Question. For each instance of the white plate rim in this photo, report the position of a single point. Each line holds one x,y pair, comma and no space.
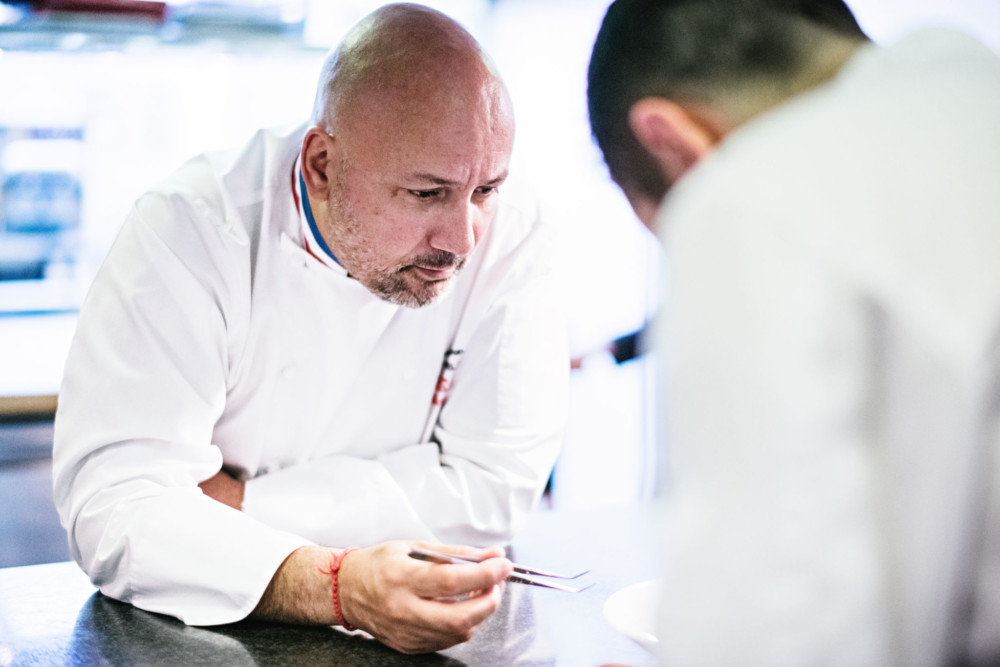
619,611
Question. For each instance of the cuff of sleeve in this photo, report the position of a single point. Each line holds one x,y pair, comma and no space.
218,567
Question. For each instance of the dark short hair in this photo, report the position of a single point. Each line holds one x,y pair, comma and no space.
685,50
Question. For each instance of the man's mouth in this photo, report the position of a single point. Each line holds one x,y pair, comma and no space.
434,274
437,267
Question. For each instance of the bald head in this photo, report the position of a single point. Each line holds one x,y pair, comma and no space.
412,139
402,55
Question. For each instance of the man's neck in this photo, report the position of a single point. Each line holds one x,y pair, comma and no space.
822,63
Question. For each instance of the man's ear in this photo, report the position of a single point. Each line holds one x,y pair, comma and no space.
317,153
675,138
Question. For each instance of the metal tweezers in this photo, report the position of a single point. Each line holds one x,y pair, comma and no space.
522,574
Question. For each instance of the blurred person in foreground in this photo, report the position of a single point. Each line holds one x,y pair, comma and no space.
256,379
830,339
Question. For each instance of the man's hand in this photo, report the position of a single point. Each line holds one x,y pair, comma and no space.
411,605
415,606
225,488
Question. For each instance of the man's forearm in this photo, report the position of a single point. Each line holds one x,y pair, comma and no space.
300,591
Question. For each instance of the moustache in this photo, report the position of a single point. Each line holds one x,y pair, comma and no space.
441,259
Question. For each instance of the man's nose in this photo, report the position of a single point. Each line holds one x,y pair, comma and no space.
457,230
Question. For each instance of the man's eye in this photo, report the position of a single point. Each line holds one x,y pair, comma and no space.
425,194
487,190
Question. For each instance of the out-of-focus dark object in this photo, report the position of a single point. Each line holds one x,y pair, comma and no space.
135,8
629,346
623,349
112,25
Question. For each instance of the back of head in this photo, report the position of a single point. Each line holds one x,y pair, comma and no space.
737,56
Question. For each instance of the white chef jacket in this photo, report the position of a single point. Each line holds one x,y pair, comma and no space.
211,336
831,359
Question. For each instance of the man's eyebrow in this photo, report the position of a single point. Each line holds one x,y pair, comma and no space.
446,182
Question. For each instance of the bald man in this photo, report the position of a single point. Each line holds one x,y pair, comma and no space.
340,336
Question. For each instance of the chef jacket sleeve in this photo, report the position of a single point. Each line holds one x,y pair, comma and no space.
144,383
498,434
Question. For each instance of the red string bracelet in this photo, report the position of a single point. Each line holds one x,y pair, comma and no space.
335,562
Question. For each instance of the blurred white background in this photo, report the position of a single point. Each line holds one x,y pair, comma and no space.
137,105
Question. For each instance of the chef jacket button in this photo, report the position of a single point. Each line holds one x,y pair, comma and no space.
288,371
408,375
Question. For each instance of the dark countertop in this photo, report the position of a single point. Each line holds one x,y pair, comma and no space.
52,615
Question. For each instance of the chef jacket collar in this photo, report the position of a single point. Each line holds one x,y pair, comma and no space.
314,242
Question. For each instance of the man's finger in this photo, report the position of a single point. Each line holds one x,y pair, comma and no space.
462,550
445,580
459,618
